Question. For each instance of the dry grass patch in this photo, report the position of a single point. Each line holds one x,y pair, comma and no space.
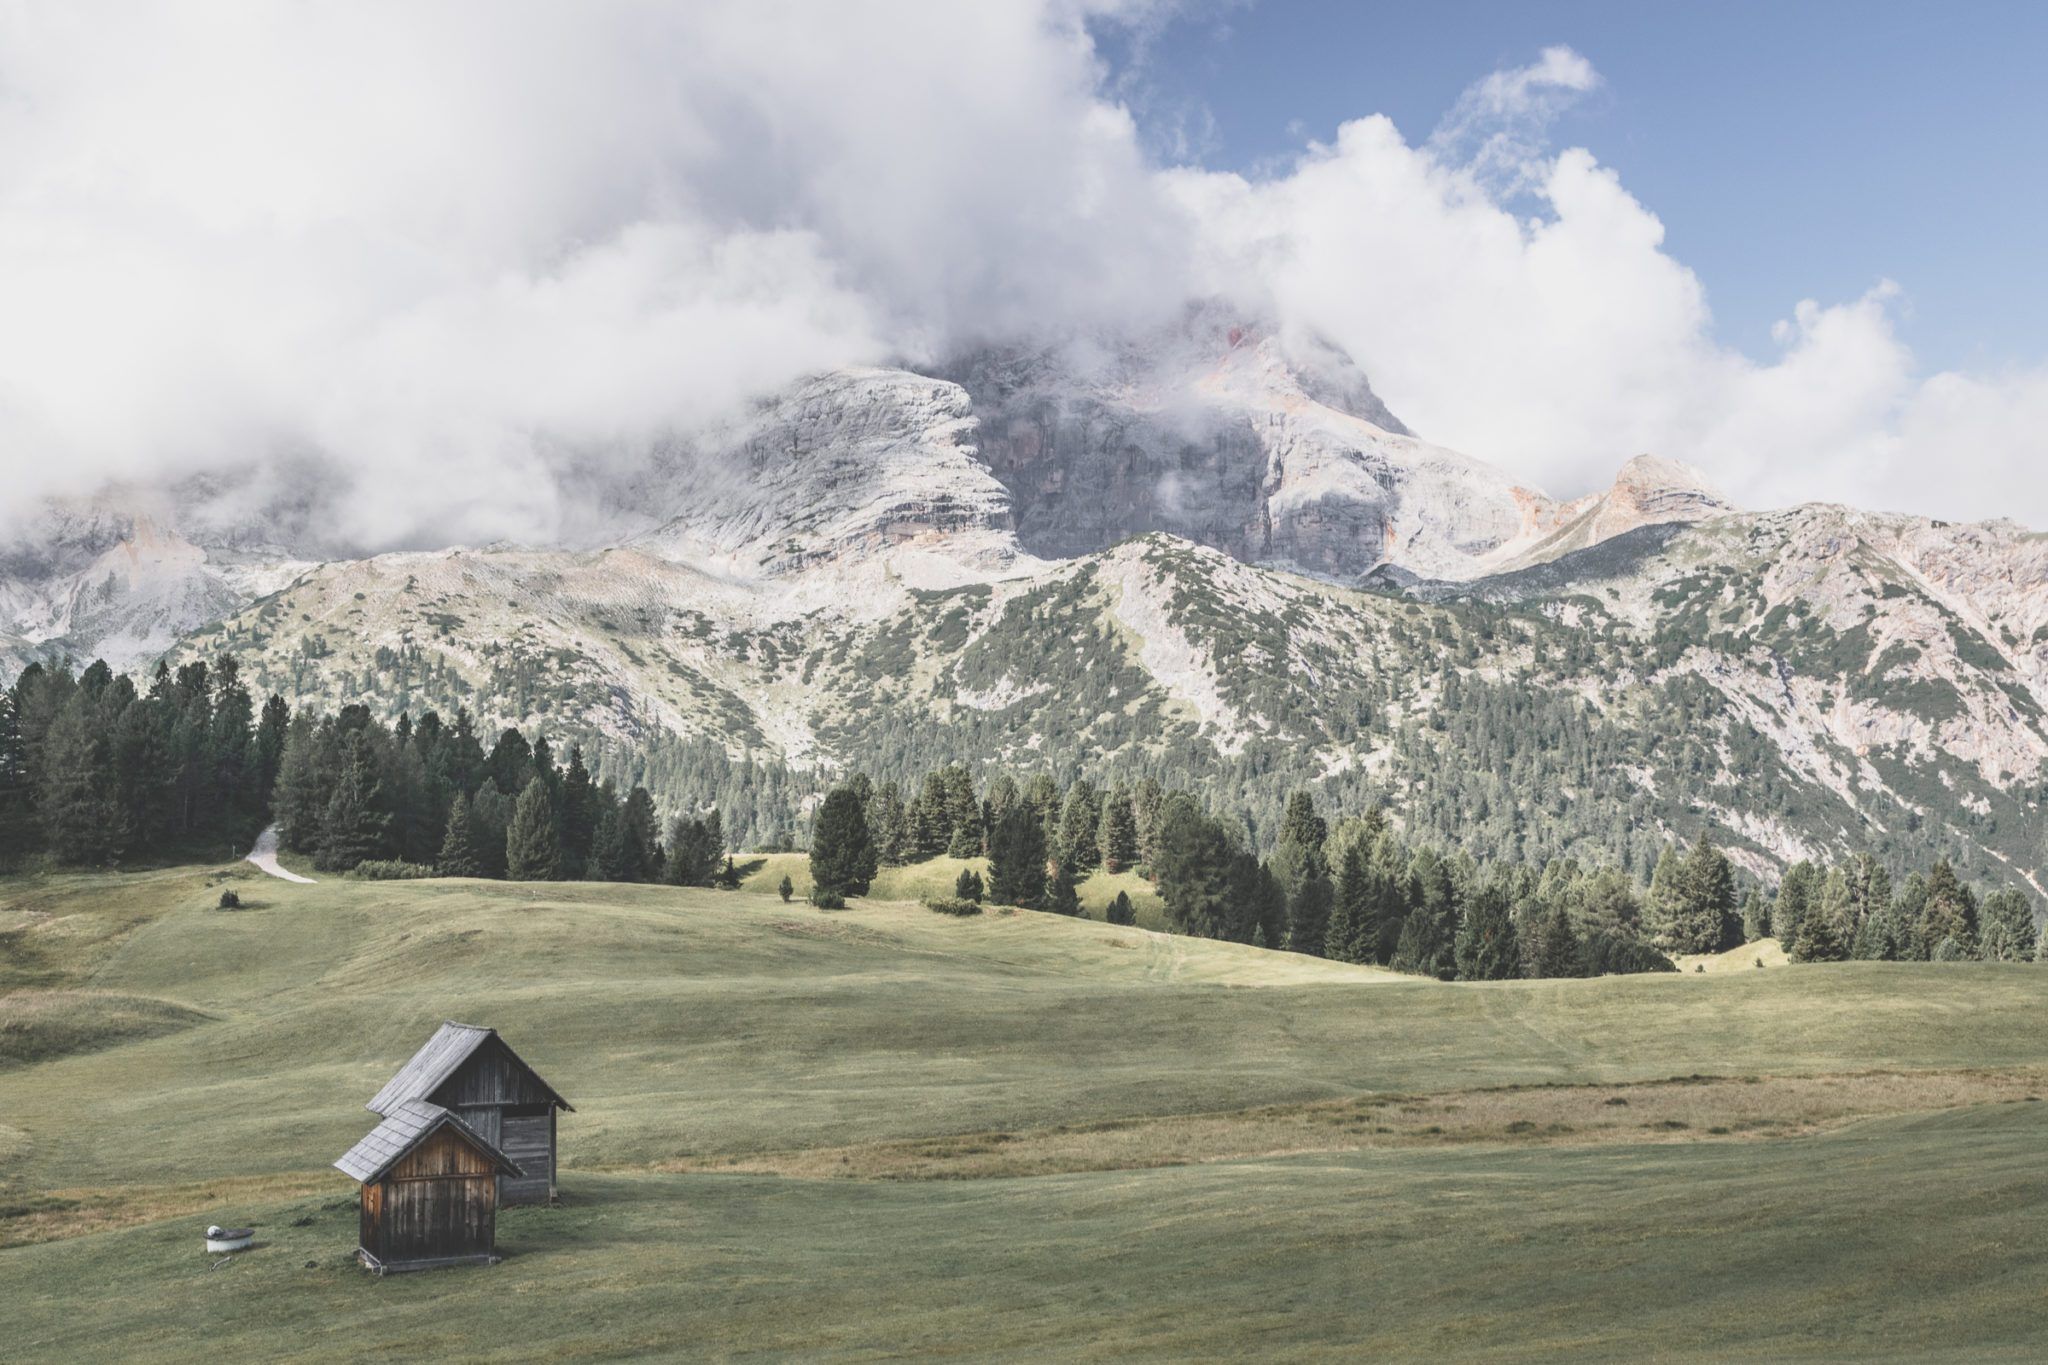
1683,1109
52,1215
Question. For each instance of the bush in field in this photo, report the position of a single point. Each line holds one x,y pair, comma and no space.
952,905
390,870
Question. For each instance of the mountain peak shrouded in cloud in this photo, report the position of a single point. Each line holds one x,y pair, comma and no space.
418,270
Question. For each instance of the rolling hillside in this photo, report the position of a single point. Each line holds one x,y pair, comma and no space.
1148,1138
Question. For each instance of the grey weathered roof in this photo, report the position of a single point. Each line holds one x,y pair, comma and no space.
404,1128
446,1051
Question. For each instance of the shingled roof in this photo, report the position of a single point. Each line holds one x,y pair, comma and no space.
444,1053
404,1128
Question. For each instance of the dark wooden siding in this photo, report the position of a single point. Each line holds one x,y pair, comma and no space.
529,1139
491,1076
440,1200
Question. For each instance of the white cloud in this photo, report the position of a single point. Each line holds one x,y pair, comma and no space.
443,251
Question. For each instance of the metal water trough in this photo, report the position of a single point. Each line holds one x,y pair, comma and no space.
219,1239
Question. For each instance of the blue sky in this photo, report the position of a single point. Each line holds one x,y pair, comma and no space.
1792,150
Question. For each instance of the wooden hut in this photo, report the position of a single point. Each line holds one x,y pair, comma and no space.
430,1191
475,1073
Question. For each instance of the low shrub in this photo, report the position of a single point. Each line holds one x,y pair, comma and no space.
229,900
828,900
390,870
952,905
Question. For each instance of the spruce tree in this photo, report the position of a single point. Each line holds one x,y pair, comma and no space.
1301,825
2006,932
931,819
785,888
459,856
1560,953
888,825
1486,948
1118,837
1795,896
843,861
1120,910
609,860
1060,898
967,886
1079,819
641,835
963,813
1197,857
1308,915
1016,862
353,827
80,814
579,815
1351,934
533,851
1827,932
1950,915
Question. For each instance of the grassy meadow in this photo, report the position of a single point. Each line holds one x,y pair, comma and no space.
885,1131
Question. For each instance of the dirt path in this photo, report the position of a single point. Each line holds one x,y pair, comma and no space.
264,855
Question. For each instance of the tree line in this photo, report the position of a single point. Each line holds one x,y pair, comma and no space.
95,773
1359,891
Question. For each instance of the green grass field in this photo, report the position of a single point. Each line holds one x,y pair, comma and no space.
1342,1176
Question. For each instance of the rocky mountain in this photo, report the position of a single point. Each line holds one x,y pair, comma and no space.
1214,557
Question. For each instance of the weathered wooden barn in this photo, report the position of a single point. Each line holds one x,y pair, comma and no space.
430,1191
475,1073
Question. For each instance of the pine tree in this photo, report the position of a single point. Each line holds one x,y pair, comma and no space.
1079,819
1756,917
963,813
459,855
1147,800
1795,896
533,852
786,888
270,735
1827,931
888,825
1698,901
1120,910
2007,927
1950,916
1060,898
353,827
843,861
1195,866
1560,953
1118,837
1301,825
609,860
17,836
1016,863
967,886
642,838
81,817
579,815
1308,915
931,819
1487,949
1351,934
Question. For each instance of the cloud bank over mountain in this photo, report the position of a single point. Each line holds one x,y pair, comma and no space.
439,255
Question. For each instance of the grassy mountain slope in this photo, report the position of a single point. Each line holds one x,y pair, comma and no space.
695,1027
